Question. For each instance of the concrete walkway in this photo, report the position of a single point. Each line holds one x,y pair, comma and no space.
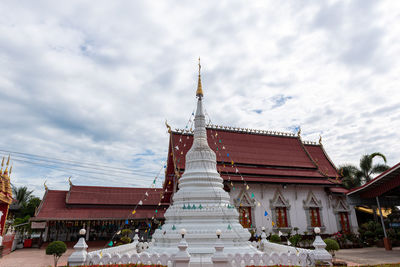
34,257
371,256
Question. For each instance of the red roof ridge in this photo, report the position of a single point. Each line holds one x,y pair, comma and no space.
326,154
113,187
312,143
377,178
237,130
309,156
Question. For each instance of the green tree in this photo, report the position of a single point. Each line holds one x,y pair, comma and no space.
30,207
56,248
21,194
331,245
355,176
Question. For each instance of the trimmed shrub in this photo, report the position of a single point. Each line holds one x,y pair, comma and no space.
125,240
275,239
295,239
331,245
126,232
56,248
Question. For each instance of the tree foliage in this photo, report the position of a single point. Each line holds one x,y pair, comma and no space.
354,176
275,238
21,194
56,248
331,245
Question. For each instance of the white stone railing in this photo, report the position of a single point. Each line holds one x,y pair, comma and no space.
272,254
143,258
127,248
270,259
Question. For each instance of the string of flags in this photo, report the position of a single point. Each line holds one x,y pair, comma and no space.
259,204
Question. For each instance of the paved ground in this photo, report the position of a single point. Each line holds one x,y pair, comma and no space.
33,257
371,256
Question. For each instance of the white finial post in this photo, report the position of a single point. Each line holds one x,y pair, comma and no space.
219,259
136,237
182,257
79,256
320,253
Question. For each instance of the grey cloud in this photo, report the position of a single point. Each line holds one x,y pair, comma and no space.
96,82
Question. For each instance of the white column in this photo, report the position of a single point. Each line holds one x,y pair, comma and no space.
182,257
79,256
219,259
320,253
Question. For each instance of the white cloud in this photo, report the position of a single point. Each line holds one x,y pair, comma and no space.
95,82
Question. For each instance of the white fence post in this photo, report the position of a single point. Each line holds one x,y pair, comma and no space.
320,253
79,256
219,259
182,257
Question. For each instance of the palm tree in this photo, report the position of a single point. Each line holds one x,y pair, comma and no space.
354,176
21,194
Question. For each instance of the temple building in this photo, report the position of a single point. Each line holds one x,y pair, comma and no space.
274,180
101,210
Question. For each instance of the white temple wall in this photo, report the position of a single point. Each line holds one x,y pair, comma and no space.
295,195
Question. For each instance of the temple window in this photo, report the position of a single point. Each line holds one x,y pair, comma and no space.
245,207
344,222
313,208
342,211
245,216
281,217
280,212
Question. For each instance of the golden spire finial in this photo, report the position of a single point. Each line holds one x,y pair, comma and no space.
199,91
2,165
7,164
320,140
299,132
45,186
168,127
69,181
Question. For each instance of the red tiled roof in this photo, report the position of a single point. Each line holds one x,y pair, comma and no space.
260,170
247,148
54,207
338,190
100,195
384,182
319,156
282,180
258,154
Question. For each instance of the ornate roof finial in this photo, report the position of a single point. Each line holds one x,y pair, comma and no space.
168,127
45,186
2,165
299,132
69,181
7,164
320,140
199,92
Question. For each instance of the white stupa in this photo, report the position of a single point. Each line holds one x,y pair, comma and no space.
201,205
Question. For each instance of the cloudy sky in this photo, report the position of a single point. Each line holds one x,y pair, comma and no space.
91,83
